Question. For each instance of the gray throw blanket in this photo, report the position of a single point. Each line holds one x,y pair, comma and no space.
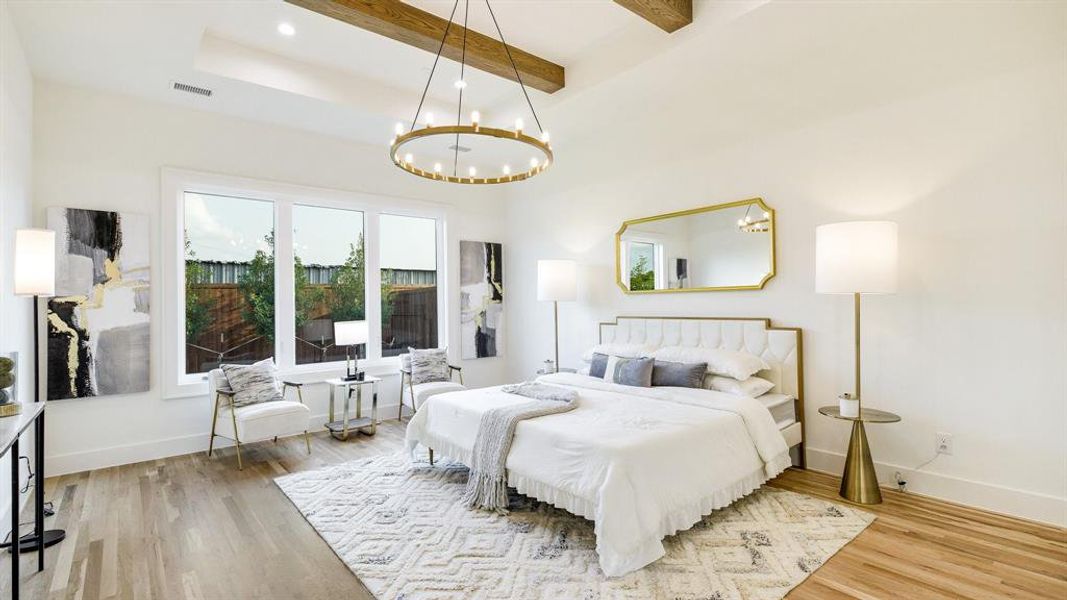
487,486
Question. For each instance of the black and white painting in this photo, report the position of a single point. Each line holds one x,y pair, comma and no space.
98,321
481,274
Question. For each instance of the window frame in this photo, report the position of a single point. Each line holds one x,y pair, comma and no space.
176,182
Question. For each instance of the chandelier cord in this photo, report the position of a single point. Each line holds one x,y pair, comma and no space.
462,72
434,68
513,66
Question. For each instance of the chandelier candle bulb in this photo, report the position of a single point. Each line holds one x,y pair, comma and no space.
437,168
399,129
544,136
408,158
475,118
518,125
472,171
429,119
460,84
533,163
506,170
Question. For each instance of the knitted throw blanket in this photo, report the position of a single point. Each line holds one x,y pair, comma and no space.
487,486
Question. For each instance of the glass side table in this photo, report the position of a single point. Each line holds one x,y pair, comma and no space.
859,482
340,428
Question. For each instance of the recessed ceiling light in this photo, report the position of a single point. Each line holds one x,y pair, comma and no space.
286,29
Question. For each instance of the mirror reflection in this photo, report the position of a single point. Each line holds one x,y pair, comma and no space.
721,247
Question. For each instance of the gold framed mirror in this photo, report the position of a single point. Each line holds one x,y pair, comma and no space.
721,247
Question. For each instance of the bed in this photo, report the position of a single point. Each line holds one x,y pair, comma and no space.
642,463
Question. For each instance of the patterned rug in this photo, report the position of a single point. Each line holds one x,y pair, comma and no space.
407,535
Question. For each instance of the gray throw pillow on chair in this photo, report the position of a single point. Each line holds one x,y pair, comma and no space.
252,383
429,365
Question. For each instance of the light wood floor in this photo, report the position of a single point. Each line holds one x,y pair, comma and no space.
194,527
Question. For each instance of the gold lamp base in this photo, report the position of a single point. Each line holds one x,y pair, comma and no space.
859,483
10,409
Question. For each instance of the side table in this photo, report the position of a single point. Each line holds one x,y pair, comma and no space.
340,428
859,482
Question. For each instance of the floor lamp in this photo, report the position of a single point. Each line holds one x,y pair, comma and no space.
35,276
857,258
557,281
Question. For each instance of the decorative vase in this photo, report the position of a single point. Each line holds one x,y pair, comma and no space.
850,407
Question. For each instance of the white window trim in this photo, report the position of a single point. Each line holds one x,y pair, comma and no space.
174,184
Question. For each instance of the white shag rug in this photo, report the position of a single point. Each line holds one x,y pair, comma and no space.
404,531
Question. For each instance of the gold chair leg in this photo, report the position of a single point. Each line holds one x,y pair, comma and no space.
214,420
236,440
411,388
400,409
307,441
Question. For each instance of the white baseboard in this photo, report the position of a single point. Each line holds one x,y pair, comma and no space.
995,498
102,458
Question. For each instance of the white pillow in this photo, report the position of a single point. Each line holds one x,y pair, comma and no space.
620,350
730,363
753,387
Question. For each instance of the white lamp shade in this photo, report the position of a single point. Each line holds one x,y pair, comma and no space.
350,333
35,262
557,280
856,257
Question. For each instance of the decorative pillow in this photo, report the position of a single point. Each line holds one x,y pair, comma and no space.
598,365
678,374
623,350
253,383
730,363
429,365
629,371
753,387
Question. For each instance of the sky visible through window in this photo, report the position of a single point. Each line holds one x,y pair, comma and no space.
225,229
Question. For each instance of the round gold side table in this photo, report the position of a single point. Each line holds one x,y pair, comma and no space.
859,483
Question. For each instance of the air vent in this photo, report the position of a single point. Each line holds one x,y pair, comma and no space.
192,89
460,148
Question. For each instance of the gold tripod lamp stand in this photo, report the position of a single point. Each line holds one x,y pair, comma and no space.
858,257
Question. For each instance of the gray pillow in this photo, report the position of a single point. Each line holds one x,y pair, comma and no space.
629,371
429,365
252,383
598,364
674,374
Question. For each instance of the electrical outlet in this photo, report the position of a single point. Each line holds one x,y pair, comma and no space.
944,443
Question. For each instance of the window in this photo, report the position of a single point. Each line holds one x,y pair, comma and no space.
229,281
408,251
262,270
329,279
642,265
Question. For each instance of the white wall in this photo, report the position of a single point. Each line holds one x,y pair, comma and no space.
16,143
947,118
104,151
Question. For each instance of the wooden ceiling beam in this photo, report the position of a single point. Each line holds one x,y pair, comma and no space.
668,15
405,23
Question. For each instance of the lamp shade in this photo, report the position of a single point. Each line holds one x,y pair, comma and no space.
557,280
856,257
35,262
350,333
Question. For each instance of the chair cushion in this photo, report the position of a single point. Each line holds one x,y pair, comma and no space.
424,391
429,365
253,383
265,420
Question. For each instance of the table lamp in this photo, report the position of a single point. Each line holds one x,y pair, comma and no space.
857,258
557,281
348,334
35,276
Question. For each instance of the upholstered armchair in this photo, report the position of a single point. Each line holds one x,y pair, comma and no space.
256,422
418,393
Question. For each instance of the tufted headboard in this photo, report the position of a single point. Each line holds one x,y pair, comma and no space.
781,347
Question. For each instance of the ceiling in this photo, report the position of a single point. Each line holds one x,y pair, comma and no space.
330,77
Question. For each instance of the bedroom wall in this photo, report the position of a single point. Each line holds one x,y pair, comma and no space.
16,188
946,118
104,151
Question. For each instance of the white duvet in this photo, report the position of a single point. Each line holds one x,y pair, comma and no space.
642,463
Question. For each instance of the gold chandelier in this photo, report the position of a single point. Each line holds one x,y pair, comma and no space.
407,161
750,225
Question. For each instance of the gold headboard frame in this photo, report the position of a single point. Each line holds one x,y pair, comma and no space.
776,345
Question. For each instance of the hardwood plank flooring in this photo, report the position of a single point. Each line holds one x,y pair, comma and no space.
193,527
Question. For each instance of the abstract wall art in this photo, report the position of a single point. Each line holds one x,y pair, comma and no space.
481,275
98,321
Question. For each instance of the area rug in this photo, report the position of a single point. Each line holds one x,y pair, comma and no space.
404,531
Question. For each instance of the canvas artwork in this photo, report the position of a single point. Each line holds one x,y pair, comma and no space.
481,274
98,321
